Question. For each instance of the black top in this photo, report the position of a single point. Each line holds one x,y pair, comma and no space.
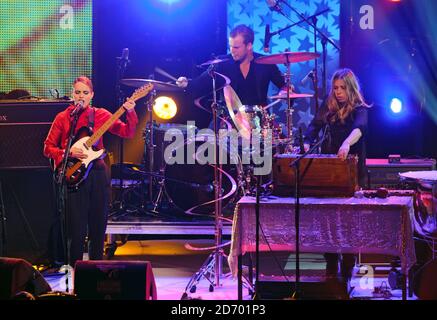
338,132
251,90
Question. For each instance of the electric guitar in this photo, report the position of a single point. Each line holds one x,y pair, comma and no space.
77,169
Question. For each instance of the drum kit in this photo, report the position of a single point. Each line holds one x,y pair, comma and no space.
196,180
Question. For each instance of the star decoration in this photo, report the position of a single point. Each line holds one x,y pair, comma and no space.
256,14
305,117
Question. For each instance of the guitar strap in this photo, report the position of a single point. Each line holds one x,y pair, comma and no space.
91,116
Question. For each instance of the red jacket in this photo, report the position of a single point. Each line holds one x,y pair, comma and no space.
56,141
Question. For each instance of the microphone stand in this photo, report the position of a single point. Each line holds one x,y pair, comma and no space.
296,295
295,23
324,38
257,223
214,263
62,198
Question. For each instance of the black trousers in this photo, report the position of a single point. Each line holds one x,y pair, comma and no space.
87,214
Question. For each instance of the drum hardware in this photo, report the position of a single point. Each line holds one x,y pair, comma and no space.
212,268
128,180
155,161
292,95
249,181
213,62
287,58
122,63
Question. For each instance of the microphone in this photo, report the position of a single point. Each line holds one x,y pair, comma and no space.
77,109
267,37
274,6
309,75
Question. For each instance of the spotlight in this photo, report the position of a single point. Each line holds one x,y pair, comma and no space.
165,108
396,105
169,1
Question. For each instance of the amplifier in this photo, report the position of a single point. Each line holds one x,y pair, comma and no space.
24,125
382,173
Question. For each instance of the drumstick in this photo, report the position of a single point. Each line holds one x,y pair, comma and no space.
165,74
272,104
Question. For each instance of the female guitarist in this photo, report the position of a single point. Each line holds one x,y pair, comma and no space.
87,198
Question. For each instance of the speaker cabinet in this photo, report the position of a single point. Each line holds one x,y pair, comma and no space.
29,209
114,280
23,129
18,275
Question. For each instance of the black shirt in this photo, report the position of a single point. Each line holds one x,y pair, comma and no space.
251,90
338,132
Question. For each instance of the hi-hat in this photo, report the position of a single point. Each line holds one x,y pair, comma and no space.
157,85
287,57
292,95
214,61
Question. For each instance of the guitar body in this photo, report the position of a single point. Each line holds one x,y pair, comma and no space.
78,169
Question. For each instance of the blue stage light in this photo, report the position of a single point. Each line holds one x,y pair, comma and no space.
170,1
396,105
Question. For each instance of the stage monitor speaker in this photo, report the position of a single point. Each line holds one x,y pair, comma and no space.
18,275
114,280
381,173
24,125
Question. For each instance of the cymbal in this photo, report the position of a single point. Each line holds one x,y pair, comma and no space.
157,85
287,57
293,95
214,61
242,116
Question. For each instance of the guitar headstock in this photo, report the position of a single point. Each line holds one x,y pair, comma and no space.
141,92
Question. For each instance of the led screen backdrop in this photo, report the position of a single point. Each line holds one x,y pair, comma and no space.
44,44
256,14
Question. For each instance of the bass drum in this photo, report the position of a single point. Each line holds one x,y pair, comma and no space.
190,187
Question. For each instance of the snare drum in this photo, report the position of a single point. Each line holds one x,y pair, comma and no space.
425,185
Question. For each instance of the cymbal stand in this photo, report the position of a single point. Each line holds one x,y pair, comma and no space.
122,63
150,141
312,21
153,176
212,267
289,115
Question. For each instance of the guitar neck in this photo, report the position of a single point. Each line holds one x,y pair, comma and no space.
138,94
101,131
